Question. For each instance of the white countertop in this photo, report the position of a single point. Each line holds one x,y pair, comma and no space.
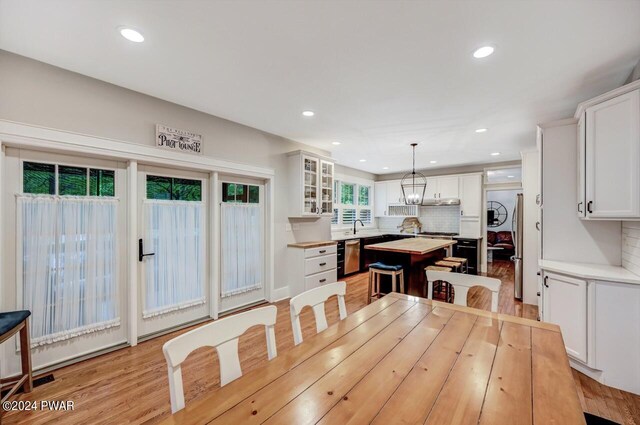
591,271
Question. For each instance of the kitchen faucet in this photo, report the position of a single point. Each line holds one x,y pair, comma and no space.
354,225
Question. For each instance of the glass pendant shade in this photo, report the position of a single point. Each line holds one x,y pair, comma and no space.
413,184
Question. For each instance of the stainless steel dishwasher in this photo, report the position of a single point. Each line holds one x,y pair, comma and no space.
351,256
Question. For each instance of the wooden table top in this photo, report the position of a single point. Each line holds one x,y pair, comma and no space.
416,246
407,360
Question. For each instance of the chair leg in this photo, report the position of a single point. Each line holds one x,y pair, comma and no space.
369,293
393,283
25,354
402,281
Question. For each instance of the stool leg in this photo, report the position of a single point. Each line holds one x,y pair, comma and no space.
402,281
25,354
369,293
393,283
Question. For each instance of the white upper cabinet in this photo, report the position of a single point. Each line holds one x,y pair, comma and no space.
448,187
311,179
471,195
380,199
394,192
612,158
581,204
442,187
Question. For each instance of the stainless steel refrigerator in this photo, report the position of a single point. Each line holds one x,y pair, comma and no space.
517,225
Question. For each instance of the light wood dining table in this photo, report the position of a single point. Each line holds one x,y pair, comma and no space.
406,360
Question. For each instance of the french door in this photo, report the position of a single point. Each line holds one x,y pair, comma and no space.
242,243
172,249
65,221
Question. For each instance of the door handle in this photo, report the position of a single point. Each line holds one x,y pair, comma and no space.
589,207
579,206
544,282
141,253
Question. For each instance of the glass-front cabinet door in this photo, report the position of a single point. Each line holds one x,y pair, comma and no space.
326,181
310,167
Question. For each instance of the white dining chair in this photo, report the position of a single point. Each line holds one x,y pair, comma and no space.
223,335
315,298
461,284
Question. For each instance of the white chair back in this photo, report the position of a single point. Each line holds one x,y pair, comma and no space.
316,298
461,284
223,335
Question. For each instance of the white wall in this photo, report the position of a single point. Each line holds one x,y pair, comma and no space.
530,189
36,93
506,198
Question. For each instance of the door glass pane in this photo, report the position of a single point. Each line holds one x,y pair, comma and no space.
102,182
158,187
39,178
187,190
254,194
72,181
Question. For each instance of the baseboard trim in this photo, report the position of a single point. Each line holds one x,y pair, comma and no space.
279,294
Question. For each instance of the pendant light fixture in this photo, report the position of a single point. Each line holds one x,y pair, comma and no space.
413,184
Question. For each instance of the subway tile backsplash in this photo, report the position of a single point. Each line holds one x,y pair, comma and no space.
433,219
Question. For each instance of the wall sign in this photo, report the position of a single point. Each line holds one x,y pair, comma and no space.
178,140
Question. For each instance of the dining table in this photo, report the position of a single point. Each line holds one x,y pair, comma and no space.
413,254
406,360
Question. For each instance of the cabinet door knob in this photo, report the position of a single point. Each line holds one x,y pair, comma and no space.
323,264
580,206
322,280
589,204
538,226
545,281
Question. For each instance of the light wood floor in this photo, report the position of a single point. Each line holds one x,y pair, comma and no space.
130,385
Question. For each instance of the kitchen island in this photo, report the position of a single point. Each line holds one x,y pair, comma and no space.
414,254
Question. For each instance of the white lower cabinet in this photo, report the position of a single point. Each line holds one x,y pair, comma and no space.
565,304
310,268
600,324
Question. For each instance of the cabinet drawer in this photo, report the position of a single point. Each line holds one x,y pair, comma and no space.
321,250
320,279
319,264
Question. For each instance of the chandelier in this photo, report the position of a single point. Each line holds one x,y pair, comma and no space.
413,184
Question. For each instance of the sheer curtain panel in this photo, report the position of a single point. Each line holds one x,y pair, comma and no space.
69,265
175,274
242,260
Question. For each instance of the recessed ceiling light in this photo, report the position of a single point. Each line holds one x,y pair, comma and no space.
510,177
495,153
483,52
432,162
385,168
363,160
335,143
131,34
308,113
481,130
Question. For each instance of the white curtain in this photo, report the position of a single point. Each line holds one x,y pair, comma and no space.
175,274
242,260
69,265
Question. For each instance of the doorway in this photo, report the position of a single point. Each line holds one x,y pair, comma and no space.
172,249
242,243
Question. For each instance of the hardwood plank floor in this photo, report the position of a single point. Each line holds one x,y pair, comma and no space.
130,385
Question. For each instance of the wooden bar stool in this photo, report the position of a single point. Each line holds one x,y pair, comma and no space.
454,265
463,262
437,286
11,323
378,269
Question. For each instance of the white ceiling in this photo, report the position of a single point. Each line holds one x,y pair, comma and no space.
379,75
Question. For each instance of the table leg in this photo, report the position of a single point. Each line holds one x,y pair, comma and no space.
25,356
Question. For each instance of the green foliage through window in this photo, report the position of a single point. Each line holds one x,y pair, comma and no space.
363,195
174,189
347,193
240,193
71,181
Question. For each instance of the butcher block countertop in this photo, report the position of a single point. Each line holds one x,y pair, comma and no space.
416,246
313,244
